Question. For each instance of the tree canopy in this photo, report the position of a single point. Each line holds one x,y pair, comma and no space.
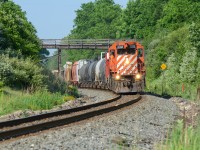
94,20
98,19
19,49
16,32
169,30
178,12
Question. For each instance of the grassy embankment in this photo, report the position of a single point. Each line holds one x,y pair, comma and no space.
13,100
179,51
182,138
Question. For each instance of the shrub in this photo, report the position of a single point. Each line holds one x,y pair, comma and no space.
1,85
180,51
22,73
52,83
72,90
68,98
5,69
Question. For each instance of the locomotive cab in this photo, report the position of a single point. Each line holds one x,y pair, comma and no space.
125,66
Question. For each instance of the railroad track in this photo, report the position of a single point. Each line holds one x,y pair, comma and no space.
19,127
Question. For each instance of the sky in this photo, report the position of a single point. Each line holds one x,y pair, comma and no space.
53,19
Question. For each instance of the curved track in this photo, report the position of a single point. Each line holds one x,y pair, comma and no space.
18,127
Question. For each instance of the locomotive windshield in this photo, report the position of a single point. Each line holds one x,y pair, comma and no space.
139,52
126,51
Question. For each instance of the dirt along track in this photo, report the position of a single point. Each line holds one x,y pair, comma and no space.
58,118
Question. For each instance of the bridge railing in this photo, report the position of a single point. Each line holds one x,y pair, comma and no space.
78,43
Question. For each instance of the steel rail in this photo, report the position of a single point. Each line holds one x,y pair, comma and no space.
64,121
56,113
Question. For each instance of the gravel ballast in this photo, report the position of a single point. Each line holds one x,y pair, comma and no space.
141,126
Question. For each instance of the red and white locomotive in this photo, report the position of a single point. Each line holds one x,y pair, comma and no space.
122,70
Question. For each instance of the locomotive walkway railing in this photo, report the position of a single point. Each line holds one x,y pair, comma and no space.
76,44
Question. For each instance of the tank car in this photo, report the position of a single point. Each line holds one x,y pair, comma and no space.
91,71
100,78
83,73
75,71
67,71
87,74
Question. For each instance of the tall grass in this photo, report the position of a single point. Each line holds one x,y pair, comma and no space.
161,87
182,138
17,100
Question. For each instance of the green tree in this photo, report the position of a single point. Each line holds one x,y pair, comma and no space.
94,20
107,15
72,56
198,73
176,43
194,31
178,12
97,19
141,16
83,22
16,32
22,73
172,75
188,67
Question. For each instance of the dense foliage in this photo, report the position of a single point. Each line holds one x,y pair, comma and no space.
22,73
20,51
52,83
181,56
169,30
176,13
98,19
140,17
16,32
94,20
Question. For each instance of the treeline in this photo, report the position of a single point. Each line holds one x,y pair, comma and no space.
179,50
17,34
21,54
169,30
94,20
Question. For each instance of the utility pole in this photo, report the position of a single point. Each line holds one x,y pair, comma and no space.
198,93
59,62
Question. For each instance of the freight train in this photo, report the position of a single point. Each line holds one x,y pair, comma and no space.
121,70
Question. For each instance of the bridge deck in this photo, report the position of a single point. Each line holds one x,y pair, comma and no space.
76,44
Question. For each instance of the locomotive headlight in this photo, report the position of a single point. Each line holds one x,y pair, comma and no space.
117,77
138,76
127,61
